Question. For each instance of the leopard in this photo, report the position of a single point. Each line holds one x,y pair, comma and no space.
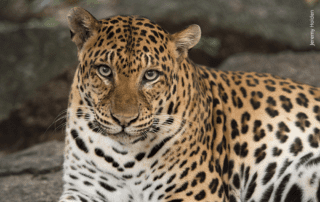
145,123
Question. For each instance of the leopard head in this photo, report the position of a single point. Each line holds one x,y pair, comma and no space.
133,75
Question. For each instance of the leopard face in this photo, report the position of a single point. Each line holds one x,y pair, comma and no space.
128,68
147,124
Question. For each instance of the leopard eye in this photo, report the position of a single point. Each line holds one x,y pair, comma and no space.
105,71
151,75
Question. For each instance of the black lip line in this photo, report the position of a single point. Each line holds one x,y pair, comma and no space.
105,133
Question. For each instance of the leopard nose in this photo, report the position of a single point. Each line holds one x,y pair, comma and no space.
123,120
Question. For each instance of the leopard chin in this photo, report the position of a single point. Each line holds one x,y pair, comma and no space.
126,139
124,133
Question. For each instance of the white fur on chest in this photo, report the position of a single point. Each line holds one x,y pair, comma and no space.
118,175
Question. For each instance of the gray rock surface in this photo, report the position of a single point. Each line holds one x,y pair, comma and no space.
31,188
32,175
30,57
302,67
39,119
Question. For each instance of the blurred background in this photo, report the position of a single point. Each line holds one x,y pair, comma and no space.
38,59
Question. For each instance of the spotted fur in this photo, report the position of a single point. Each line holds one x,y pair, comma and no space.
147,124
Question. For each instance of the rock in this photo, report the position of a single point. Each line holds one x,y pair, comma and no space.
302,67
38,159
34,121
31,188
30,57
34,174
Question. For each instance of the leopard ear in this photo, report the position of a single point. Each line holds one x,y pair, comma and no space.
186,39
82,25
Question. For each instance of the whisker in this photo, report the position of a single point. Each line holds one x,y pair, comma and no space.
58,118
61,126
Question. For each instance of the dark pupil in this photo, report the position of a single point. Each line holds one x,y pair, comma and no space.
105,70
150,73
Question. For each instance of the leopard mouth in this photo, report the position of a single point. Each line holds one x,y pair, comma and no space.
105,130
